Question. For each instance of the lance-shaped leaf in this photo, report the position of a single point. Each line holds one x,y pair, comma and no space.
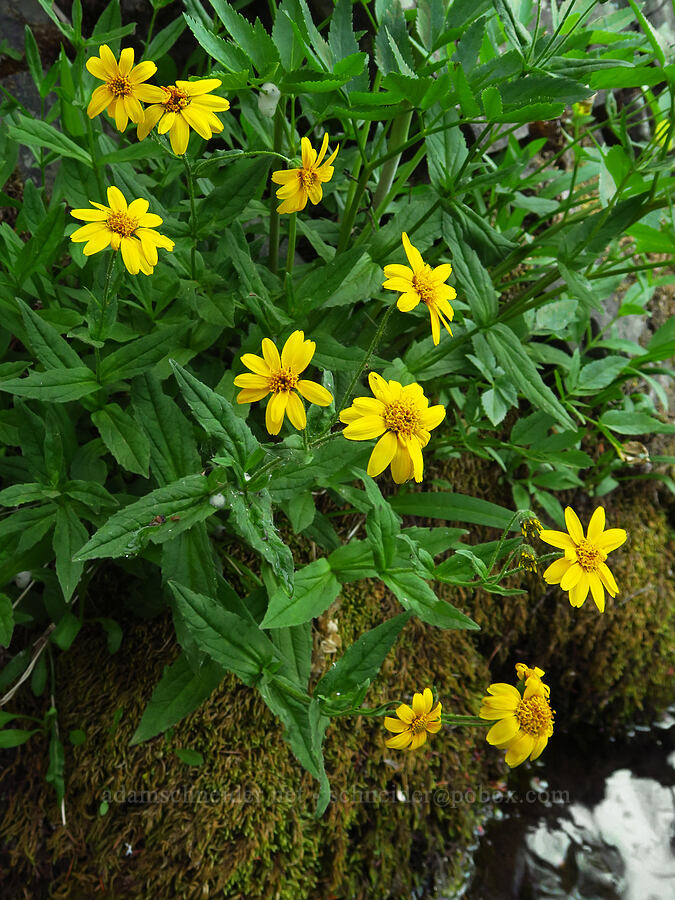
124,438
54,385
179,692
413,593
216,416
314,590
363,659
234,643
159,516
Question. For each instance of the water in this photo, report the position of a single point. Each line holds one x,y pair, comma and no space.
592,822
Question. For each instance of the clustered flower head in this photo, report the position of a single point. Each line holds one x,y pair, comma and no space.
523,714
126,227
279,375
412,724
175,109
185,105
422,283
401,418
583,566
303,184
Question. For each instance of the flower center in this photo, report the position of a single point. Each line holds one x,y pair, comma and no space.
419,724
424,285
536,716
588,555
402,417
283,381
121,223
308,178
120,86
177,100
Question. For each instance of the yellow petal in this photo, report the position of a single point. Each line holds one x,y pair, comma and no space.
274,414
382,454
580,590
296,411
271,355
597,524
251,395
557,539
394,725
401,465
97,242
126,62
249,380
432,417
179,135
256,364
418,740
611,539
571,577
405,713
413,254
607,579
365,428
597,590
100,99
98,69
503,730
415,452
197,121
519,750
116,200
130,255
399,741
142,72
138,208
407,302
151,117
197,88
315,393
574,526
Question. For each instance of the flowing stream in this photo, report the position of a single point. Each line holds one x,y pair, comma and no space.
592,822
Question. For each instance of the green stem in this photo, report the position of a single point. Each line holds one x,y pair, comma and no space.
104,304
290,255
94,159
451,719
399,135
193,218
274,215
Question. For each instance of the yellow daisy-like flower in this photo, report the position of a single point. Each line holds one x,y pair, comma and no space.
583,567
299,185
402,418
280,377
421,282
524,713
182,106
123,91
411,727
129,228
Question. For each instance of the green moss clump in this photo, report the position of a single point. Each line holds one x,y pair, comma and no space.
241,825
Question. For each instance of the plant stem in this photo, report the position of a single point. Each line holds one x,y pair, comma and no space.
399,135
274,215
104,304
290,256
193,218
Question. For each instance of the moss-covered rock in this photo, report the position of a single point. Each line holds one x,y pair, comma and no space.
241,824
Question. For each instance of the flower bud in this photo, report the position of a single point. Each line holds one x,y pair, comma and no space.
268,99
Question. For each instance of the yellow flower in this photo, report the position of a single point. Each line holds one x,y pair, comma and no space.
279,376
130,228
403,418
421,282
411,727
527,561
531,527
524,713
182,106
583,565
299,185
123,90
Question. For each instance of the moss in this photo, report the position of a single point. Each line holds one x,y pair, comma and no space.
256,837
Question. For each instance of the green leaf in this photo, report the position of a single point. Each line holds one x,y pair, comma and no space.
515,31
252,39
6,620
54,385
353,561
621,77
235,187
228,55
382,525
315,588
363,659
67,629
179,692
181,504
69,535
513,358
453,508
14,737
164,40
414,594
124,438
18,494
295,649
173,449
35,133
140,355
251,517
189,757
234,643
600,374
57,764
625,422
216,416
305,729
